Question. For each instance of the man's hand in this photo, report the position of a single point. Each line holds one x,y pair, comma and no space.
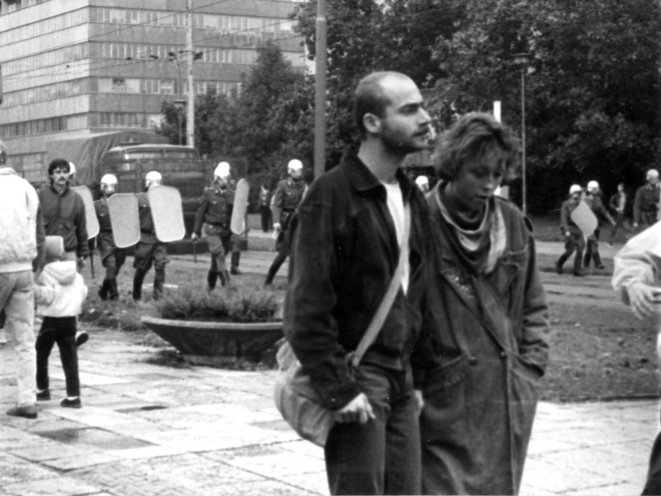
80,263
644,300
194,237
357,410
276,229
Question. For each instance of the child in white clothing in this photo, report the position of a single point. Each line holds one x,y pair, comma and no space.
59,292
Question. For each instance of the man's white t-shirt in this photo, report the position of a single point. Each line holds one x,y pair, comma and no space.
398,212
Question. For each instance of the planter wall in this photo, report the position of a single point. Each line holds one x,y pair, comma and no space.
216,343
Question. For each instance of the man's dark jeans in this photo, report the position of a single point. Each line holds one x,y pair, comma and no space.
383,455
60,330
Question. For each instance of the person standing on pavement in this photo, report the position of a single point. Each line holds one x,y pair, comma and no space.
345,247
112,257
149,250
213,218
637,279
288,195
646,201
488,313
64,215
618,202
21,253
574,237
60,293
594,201
265,208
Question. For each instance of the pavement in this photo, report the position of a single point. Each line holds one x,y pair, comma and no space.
148,429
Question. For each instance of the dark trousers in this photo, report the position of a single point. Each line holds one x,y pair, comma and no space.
619,224
60,330
381,456
282,244
574,242
592,251
267,218
653,483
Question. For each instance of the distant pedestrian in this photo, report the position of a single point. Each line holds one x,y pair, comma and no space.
60,293
288,194
596,204
112,257
351,227
637,278
646,202
21,253
265,208
574,237
212,220
618,203
149,250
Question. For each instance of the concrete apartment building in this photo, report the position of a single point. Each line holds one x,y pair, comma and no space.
72,68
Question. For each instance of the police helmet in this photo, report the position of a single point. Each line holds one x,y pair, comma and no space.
109,180
222,171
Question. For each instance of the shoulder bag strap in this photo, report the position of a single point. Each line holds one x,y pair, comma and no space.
384,307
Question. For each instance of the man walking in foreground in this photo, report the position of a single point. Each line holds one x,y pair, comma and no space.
21,251
346,245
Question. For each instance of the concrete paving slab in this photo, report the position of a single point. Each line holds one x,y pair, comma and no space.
59,486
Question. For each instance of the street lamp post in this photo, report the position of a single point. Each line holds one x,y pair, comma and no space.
522,60
179,104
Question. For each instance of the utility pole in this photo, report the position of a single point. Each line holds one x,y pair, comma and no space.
190,54
320,91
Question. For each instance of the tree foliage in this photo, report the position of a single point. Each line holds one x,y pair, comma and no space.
266,123
592,87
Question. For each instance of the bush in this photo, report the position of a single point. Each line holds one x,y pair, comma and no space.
232,304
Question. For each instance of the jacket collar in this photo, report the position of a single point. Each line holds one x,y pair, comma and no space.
362,178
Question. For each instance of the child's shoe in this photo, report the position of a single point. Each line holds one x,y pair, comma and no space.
74,403
43,395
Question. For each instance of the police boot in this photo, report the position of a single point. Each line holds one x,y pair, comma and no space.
137,284
212,275
234,265
113,294
103,290
224,277
159,281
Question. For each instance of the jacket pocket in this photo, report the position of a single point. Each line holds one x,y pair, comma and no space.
445,398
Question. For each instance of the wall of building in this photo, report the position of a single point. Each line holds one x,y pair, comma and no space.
73,67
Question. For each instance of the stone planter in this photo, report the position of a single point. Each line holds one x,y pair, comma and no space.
216,343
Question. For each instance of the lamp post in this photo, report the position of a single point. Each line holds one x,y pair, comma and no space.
179,104
522,60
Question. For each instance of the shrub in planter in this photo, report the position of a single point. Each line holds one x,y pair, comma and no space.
217,328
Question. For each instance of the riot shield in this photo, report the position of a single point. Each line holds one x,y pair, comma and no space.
124,219
584,218
90,214
167,212
238,224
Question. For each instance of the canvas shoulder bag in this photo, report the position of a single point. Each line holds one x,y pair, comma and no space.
295,397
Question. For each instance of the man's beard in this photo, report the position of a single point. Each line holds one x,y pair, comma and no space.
399,146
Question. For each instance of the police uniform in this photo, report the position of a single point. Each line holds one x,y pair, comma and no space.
288,195
646,204
214,214
112,258
148,251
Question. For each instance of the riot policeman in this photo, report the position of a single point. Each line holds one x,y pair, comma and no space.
288,194
112,257
213,217
149,250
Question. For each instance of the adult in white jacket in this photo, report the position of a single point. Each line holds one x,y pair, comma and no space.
637,277
21,243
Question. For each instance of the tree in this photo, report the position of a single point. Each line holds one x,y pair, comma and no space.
368,35
592,92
